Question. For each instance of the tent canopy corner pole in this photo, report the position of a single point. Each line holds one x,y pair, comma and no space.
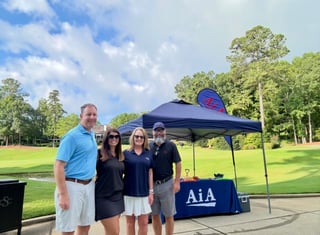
265,171
194,161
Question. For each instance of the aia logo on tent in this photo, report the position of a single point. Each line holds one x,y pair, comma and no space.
200,198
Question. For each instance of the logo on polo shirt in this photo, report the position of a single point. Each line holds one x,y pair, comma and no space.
200,198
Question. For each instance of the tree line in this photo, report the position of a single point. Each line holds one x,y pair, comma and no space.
20,123
260,85
284,96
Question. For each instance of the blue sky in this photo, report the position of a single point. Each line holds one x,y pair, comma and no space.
127,56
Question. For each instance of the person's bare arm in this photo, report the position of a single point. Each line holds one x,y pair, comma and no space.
176,186
60,179
150,186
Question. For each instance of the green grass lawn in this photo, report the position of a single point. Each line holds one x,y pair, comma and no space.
291,169
22,164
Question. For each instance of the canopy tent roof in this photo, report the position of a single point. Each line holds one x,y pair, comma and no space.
185,121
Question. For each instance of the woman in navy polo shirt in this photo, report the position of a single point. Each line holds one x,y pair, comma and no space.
138,182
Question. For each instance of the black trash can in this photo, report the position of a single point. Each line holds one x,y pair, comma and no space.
11,204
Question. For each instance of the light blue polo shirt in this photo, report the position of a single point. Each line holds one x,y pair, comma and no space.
78,148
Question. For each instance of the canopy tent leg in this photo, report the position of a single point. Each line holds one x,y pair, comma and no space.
194,160
265,171
234,167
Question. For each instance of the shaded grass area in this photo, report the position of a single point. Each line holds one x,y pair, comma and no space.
292,169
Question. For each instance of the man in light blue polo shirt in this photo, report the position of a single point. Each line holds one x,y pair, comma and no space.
74,170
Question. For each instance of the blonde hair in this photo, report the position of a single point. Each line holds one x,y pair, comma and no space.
146,141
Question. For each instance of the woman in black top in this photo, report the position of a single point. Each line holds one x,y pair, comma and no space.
109,183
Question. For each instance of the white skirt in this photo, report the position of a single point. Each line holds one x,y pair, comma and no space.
136,206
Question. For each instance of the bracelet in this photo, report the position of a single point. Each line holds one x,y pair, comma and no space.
151,191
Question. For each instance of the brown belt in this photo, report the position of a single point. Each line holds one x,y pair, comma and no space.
85,182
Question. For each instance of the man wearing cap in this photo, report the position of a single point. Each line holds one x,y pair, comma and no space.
165,154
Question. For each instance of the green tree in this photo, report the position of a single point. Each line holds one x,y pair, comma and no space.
250,58
238,101
278,100
123,118
13,108
31,128
66,123
55,113
307,87
189,87
50,111
42,111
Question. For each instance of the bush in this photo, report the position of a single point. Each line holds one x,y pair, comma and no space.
238,141
181,143
249,147
218,143
252,141
317,135
202,143
275,143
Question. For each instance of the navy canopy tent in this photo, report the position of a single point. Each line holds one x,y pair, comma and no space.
185,121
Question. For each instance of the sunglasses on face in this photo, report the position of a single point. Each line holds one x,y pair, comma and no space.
139,137
113,136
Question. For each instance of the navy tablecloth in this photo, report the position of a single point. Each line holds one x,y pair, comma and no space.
207,197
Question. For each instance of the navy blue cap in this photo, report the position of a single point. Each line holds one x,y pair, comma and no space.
158,125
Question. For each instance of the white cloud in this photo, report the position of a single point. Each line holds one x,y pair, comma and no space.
127,56
39,7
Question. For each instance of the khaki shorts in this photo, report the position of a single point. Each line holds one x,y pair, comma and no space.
82,207
164,199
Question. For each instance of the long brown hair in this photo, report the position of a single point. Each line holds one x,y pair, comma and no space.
105,148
